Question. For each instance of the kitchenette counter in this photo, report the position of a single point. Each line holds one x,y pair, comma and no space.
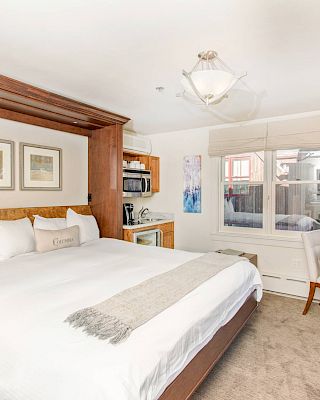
148,224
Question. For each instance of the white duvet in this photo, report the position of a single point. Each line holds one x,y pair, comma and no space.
43,358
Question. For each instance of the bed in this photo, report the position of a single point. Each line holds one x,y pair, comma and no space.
167,358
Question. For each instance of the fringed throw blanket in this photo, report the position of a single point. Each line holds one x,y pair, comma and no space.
116,317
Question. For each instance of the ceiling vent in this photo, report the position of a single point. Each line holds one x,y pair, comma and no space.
136,143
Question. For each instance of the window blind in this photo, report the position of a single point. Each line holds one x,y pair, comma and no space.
303,133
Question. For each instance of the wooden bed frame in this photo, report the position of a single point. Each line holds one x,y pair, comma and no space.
200,366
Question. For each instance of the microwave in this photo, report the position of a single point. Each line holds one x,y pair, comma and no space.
136,183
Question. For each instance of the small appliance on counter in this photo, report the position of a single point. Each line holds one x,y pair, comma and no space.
128,215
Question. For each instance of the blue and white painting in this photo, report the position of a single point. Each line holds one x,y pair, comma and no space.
192,184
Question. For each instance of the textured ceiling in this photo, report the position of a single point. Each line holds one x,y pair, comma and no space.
113,54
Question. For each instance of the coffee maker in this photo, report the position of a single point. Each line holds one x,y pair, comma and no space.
128,216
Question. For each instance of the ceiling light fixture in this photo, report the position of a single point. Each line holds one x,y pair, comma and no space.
210,79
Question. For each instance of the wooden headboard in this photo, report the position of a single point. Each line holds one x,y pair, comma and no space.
47,212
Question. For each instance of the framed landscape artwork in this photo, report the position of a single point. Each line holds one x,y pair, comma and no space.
192,184
40,167
6,165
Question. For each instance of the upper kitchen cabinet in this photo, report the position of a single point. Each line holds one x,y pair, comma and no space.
151,163
154,166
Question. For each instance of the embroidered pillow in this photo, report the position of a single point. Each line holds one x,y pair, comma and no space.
48,240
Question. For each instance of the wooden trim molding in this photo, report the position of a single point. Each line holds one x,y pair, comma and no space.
45,123
35,103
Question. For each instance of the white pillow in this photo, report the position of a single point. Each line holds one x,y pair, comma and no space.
49,224
87,223
16,237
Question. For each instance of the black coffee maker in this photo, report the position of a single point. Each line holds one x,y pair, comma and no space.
128,216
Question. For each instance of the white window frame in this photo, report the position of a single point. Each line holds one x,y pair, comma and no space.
274,231
269,201
222,227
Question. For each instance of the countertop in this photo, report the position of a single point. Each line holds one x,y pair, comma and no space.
147,224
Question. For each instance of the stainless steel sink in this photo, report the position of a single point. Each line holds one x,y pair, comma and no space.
146,221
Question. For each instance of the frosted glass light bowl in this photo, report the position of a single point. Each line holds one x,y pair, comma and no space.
211,84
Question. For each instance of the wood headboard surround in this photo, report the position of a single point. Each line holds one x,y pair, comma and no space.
28,104
47,212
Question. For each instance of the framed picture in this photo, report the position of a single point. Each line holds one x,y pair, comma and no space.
6,165
40,167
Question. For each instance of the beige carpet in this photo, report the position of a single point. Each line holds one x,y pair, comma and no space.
276,357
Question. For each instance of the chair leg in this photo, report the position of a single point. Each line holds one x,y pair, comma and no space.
310,298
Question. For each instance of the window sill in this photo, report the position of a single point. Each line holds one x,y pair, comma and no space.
276,240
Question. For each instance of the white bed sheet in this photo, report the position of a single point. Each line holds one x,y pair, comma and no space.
41,357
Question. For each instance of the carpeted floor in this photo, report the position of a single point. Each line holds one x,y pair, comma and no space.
276,357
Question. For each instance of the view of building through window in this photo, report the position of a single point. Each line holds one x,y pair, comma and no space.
295,190
297,196
243,190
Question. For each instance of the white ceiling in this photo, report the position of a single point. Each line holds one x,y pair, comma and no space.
113,54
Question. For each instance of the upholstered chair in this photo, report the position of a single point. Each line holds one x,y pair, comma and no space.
311,241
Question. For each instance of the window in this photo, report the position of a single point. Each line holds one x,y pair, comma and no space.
271,192
243,190
297,183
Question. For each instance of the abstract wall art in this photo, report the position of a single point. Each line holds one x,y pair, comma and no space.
192,184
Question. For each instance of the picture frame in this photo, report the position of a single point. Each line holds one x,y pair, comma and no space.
40,167
7,174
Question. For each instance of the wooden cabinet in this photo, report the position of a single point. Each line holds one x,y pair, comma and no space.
105,179
167,230
151,162
253,258
168,240
154,166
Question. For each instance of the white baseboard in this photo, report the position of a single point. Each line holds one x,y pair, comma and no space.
287,286
291,296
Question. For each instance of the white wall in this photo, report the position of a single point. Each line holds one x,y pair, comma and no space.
192,231
74,159
281,262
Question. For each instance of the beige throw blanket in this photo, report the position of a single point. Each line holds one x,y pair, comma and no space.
116,317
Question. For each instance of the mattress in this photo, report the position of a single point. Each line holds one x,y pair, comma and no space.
44,358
